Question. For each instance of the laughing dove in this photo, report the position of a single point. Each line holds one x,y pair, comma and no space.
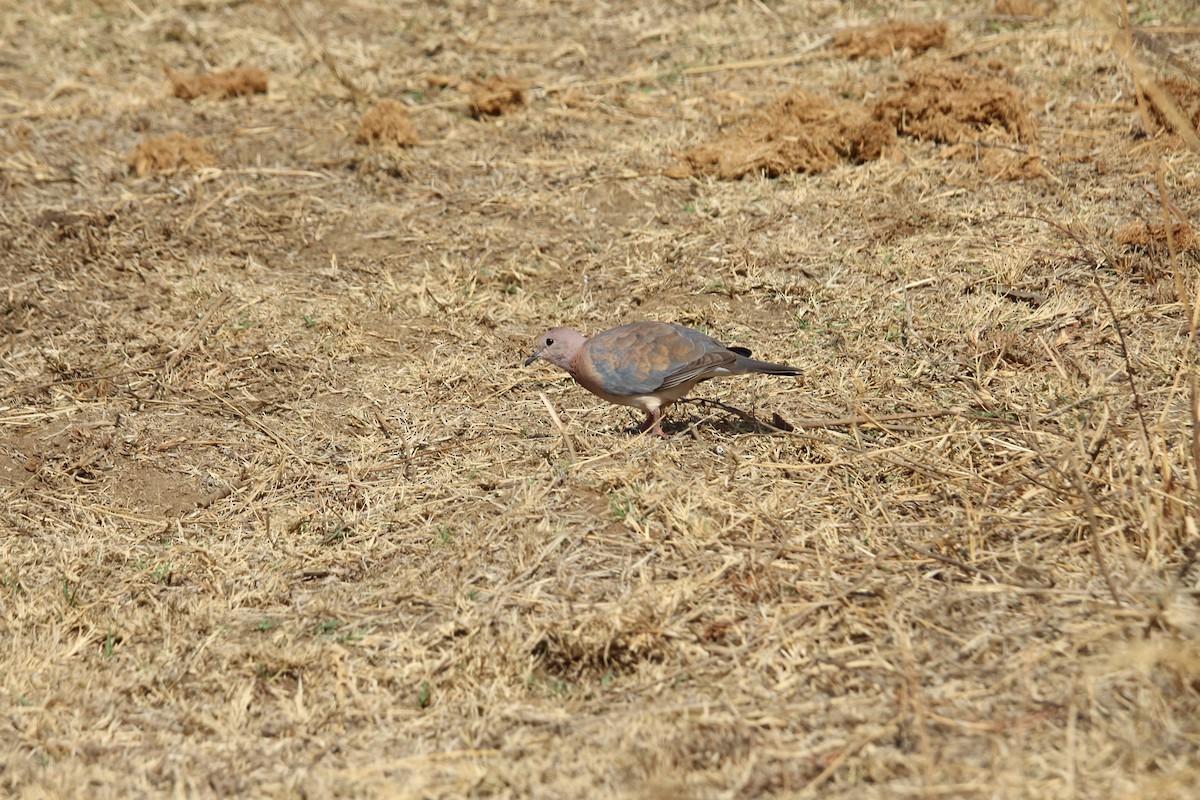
647,365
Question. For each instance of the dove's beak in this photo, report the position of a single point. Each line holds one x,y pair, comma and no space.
536,355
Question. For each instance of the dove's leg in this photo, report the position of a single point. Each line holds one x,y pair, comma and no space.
653,423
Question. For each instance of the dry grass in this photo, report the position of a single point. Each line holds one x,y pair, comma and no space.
282,514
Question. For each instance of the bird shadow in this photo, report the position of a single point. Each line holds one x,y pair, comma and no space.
742,421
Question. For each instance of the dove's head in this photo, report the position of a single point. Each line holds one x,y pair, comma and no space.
559,346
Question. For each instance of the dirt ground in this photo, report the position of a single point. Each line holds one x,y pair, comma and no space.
282,514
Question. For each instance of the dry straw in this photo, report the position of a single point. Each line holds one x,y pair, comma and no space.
281,514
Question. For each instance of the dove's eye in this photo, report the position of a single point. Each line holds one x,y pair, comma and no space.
549,342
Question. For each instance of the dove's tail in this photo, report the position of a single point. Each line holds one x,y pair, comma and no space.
765,367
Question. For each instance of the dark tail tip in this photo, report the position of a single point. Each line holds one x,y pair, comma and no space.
767,368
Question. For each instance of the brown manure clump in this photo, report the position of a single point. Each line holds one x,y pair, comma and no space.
495,96
1023,8
168,153
1175,103
798,132
1152,236
219,85
387,124
893,37
951,105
